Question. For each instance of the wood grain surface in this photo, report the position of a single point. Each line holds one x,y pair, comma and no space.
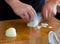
26,35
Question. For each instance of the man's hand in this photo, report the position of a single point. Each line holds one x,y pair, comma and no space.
49,10
25,11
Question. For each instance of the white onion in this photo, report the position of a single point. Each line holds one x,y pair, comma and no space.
11,32
44,24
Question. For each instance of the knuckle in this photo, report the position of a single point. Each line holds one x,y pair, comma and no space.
30,6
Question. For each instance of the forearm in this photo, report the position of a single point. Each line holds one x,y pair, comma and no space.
12,3
11,0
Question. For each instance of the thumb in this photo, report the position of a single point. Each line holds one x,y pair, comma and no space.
55,10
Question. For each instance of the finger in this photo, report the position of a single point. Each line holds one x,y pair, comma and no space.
51,14
44,12
23,17
47,14
31,13
27,17
33,10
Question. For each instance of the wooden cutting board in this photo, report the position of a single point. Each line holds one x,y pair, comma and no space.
26,35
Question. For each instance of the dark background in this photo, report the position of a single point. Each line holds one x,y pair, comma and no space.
6,13
58,16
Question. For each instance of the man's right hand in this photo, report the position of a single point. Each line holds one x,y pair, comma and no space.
49,10
25,11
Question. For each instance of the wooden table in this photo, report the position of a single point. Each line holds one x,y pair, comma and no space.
26,35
